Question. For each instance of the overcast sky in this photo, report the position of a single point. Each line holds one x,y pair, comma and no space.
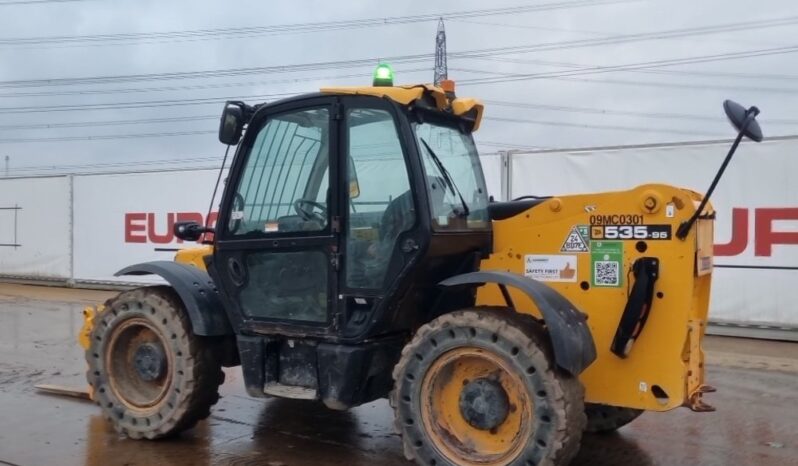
546,109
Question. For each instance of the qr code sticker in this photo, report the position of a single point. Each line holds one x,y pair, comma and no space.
606,273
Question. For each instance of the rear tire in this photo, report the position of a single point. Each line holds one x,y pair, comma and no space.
602,419
150,374
490,354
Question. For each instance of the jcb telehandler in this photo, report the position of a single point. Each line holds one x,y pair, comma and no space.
357,256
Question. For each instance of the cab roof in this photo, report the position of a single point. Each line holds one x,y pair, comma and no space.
406,95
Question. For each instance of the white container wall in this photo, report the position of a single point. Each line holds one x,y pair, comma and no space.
492,167
35,227
125,219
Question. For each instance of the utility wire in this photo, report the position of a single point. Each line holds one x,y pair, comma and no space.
673,85
489,102
636,66
137,104
35,2
658,84
103,137
109,165
202,132
481,142
604,111
411,58
92,124
637,129
16,94
500,79
295,28
530,27
707,74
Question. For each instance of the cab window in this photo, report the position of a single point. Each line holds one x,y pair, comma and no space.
381,204
284,184
456,188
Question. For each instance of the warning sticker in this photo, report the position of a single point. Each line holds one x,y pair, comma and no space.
606,263
576,240
551,268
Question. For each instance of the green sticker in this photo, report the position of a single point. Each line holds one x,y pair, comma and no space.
606,263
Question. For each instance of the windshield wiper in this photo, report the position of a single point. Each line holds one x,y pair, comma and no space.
446,177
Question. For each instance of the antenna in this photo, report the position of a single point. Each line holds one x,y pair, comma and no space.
8,159
441,70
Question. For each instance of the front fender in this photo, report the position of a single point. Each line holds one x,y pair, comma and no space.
574,349
196,290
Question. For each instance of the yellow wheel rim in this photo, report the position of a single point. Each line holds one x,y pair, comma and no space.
449,430
135,393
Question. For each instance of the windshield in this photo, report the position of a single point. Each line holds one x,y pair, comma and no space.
457,194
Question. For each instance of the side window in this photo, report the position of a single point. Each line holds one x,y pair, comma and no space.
284,185
380,200
458,197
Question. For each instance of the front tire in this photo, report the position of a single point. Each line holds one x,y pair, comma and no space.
479,387
149,373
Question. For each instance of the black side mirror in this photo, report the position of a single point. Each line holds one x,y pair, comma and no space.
232,123
190,231
744,120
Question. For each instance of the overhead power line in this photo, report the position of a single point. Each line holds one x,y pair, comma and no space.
500,79
637,66
673,85
295,28
111,165
93,124
530,26
482,142
604,111
411,58
623,38
101,137
18,140
35,2
707,74
489,102
195,87
658,84
138,104
637,129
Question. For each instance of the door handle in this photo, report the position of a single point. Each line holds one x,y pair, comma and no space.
236,270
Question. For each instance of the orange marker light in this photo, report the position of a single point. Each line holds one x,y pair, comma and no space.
447,85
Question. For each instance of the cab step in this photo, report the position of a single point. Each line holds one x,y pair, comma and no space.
290,391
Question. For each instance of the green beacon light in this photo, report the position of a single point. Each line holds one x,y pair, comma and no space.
383,75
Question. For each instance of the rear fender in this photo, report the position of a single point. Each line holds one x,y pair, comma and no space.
196,290
574,349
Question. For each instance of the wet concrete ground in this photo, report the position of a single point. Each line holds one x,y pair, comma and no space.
756,422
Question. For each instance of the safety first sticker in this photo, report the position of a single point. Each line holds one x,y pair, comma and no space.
577,239
551,268
606,263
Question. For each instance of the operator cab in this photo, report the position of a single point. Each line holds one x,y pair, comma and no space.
344,209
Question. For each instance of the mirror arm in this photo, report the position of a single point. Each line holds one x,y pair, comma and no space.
684,228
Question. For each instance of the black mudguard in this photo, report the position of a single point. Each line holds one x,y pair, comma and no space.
196,290
574,349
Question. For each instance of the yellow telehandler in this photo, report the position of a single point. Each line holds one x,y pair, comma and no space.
357,256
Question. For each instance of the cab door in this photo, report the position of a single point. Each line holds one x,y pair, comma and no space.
379,210
277,244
